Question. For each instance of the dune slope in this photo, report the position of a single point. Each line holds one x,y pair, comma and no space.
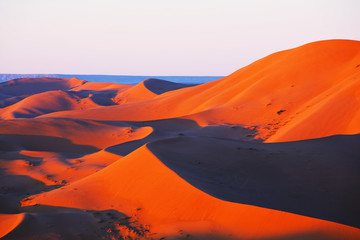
283,95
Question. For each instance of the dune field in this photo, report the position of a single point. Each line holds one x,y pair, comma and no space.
271,151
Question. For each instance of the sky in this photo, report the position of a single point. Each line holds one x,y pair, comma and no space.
162,37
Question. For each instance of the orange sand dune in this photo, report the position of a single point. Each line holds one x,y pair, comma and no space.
25,98
134,94
74,95
53,150
298,177
142,187
147,90
279,91
248,156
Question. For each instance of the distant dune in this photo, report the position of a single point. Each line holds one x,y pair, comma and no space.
269,152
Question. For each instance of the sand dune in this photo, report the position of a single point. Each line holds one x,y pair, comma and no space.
56,152
146,90
283,90
20,101
24,98
268,152
141,181
301,177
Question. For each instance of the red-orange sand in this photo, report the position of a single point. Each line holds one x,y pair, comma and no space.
250,156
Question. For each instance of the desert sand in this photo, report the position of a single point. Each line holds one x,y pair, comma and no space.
269,152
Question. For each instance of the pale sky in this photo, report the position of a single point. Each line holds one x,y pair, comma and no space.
162,37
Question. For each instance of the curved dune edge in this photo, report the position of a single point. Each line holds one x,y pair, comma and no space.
169,204
9,221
